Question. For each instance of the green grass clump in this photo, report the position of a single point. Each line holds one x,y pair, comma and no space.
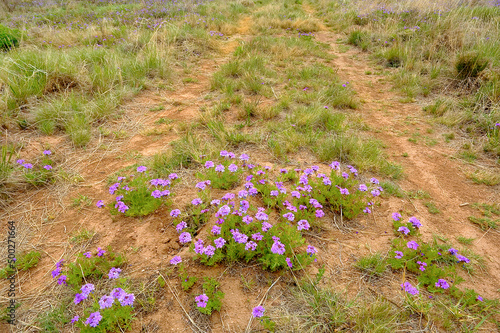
470,65
372,265
9,38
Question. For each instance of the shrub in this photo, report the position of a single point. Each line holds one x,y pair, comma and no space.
9,38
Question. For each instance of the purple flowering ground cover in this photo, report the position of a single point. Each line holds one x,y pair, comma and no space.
243,166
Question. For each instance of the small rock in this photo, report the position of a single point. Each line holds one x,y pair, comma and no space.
175,245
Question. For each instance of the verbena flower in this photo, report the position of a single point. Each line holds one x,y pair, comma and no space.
289,262
127,299
409,288
20,161
141,168
156,194
209,164
47,152
363,188
185,237
311,250
479,298
266,226
118,293
412,245
345,175
181,226
303,225
114,273
375,193
257,236
335,165
75,319
100,252
422,265
319,213
452,251
219,242
47,167
261,216
175,260
94,319
56,272
197,201
258,311
87,289
367,210
224,210
250,246
220,168
215,202
278,247
87,254
442,284
416,222
289,216
201,300
216,230
62,280
209,250
398,255
100,204
198,246
244,157
374,181
79,298
404,230
396,216
344,191
106,302
173,176
247,219
242,194
462,258
327,181
232,167
28,166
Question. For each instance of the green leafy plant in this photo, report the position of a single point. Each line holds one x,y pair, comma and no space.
9,38
215,296
140,194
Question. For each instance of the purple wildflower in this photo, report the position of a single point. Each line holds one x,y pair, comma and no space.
47,167
87,254
303,225
185,237
100,252
28,165
94,319
311,250
219,242
250,246
319,213
412,245
216,230
118,293
201,300
79,298
62,280
141,168
209,164
220,168
47,152
232,167
127,299
289,262
258,311
209,250
278,247
462,258
198,246
404,230
100,204
87,289
181,226
396,216
175,260
266,226
409,288
75,319
106,302
398,255
197,201
452,251
257,236
416,222
442,283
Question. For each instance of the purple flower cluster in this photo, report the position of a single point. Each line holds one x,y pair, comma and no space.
201,301
407,287
442,284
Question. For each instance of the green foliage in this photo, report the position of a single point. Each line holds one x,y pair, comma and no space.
39,174
9,38
227,178
215,296
140,194
54,320
114,319
24,262
6,167
93,268
484,223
